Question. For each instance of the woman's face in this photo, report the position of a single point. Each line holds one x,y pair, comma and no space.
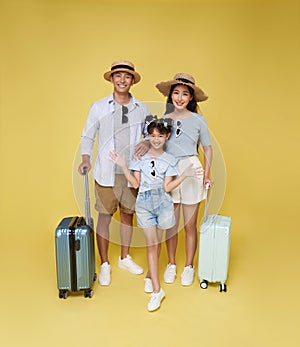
181,96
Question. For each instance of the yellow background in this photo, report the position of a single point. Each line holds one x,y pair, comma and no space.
245,55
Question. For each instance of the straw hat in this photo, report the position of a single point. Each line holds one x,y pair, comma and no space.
124,66
182,78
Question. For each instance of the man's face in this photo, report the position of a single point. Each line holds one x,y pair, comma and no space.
122,81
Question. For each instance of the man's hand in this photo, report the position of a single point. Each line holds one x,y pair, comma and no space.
86,163
140,149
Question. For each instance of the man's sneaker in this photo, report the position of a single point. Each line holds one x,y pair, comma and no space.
155,300
170,273
104,275
128,264
148,288
187,277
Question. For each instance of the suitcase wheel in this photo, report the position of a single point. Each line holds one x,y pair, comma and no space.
63,294
203,284
223,287
88,293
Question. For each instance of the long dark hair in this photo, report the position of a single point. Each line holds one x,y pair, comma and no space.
191,106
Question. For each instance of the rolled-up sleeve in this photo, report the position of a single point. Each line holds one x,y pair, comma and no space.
90,131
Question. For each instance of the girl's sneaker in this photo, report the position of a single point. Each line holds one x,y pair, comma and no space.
155,300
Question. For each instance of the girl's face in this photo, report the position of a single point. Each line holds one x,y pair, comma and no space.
181,96
157,140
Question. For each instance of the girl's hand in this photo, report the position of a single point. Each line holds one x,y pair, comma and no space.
118,159
191,171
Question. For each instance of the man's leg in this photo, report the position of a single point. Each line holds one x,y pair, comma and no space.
103,242
103,235
125,261
125,233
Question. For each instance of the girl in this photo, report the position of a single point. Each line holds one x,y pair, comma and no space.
153,175
190,132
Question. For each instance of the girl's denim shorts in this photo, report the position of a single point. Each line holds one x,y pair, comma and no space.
155,207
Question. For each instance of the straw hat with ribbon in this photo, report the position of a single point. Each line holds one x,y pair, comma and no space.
124,66
182,78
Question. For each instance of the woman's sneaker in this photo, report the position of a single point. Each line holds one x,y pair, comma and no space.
155,300
148,288
187,277
170,273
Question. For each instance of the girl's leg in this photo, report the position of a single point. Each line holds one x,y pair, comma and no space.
172,236
158,249
153,239
190,214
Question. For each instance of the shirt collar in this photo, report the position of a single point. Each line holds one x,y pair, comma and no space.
110,100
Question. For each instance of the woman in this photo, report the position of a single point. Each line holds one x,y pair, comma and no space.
189,132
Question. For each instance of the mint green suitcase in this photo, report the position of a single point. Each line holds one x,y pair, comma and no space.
75,254
214,250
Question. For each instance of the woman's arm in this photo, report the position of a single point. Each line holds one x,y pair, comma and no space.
208,155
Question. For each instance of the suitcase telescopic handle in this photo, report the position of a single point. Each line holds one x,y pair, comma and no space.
206,202
87,198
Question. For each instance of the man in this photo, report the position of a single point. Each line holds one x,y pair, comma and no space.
119,121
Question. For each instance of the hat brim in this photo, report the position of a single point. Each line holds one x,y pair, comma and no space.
135,75
165,87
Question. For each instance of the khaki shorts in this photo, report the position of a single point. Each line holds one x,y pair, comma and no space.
191,190
108,199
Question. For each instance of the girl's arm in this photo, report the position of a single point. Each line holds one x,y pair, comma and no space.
133,179
170,183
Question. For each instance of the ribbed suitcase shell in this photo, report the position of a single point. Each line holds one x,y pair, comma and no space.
75,256
214,249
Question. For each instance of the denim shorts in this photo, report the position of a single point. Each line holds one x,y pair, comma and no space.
155,207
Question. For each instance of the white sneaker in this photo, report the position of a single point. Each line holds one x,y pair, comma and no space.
128,264
170,273
187,277
148,288
104,275
155,300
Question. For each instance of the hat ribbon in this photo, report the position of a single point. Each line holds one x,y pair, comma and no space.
122,66
184,80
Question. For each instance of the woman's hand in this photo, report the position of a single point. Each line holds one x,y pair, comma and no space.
209,182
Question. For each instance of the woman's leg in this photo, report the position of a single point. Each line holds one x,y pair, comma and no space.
172,236
190,214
